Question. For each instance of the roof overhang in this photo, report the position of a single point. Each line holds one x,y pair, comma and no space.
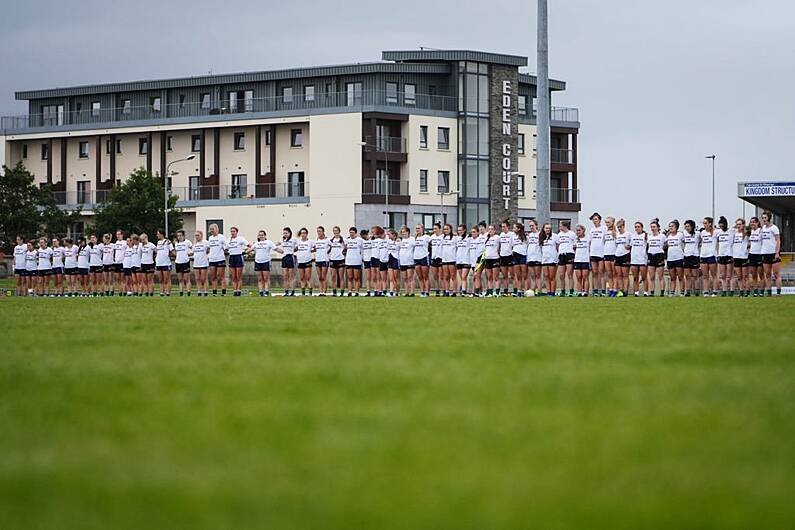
778,197
453,55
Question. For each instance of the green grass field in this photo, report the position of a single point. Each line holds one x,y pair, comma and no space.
397,414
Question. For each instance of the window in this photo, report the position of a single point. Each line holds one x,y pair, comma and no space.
143,146
443,186
267,136
79,107
410,94
248,100
238,187
423,181
24,150
107,147
109,144
423,137
155,102
391,93
520,144
82,150
353,92
240,141
52,114
95,108
83,191
535,106
397,219
535,137
195,143
522,105
309,93
45,151
182,101
427,219
295,184
169,143
126,107
520,185
297,138
205,101
193,188
287,94
443,138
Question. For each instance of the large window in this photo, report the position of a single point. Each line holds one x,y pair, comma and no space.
238,190
353,93
83,150
45,151
443,184
205,98
443,138
52,114
473,141
126,107
95,108
248,100
410,94
397,219
391,93
423,137
297,138
240,141
83,191
522,105
309,93
195,143
295,184
193,188
143,146
423,181
155,102
287,94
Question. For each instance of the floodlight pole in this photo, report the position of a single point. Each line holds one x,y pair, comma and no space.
542,118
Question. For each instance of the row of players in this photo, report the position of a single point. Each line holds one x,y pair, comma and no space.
743,258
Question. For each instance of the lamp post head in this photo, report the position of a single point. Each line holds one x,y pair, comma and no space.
190,157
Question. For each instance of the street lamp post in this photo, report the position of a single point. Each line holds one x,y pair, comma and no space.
713,183
543,115
165,188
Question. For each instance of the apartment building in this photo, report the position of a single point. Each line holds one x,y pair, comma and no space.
419,136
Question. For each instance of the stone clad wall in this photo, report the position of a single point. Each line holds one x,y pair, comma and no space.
497,139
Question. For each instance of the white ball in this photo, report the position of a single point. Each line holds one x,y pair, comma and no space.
530,292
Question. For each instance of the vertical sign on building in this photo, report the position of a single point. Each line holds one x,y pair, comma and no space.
502,143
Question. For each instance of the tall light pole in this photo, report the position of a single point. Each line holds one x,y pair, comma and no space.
165,188
713,184
542,118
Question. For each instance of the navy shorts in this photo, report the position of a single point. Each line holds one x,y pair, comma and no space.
337,263
770,259
288,261
436,262
676,264
96,268
321,264
236,261
754,260
307,265
182,267
740,263
566,259
20,272
708,261
533,263
135,269
262,267
164,268
657,260
127,271
691,262
725,260
383,266
394,264
404,268
582,266
44,272
462,266
597,259
622,261
218,264
375,263
148,268
492,263
57,270
366,264
82,272
519,259
70,271
610,258
422,262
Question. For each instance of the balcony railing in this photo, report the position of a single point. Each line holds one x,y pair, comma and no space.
562,156
380,187
560,114
564,195
82,198
385,144
280,190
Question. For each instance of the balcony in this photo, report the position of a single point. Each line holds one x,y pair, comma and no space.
379,191
84,199
385,144
557,116
561,156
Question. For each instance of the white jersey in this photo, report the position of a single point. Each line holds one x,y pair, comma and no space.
381,249
45,259
57,257
353,247
107,253
118,251
20,252
475,249
262,251
638,244
436,246
610,243
407,251
740,245
394,249
533,248
287,246
622,242
656,243
709,243
769,234
725,238
336,245
597,236
549,250
70,257
447,245
303,250
321,250
506,243
95,255
82,258
31,260
461,250
367,249
566,242
182,250
756,241
147,252
127,258
492,247
582,249
675,243
520,247
135,261
201,258
421,246
217,245
691,244
236,245
163,253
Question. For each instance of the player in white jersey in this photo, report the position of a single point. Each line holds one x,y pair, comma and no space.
549,258
182,251
506,238
107,265
286,247
609,266
755,257
655,271
163,251
725,260
406,260
44,267
533,259
201,264
236,245
422,243
70,266
381,254
83,266
582,260
519,252
95,265
492,261
690,239
623,256
147,250
566,257
119,246
303,256
20,275
638,256
31,267
135,266
462,263
337,261
448,254
740,258
771,254
674,245
597,235
708,243
216,243
322,257
262,250
477,246
436,258
394,262
57,266
367,261
353,261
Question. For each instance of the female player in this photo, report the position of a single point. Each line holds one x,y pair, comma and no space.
217,245
135,266
353,261
127,287
638,257
322,249
70,266
31,268
755,257
44,267
119,247
506,238
477,245
655,275
57,266
337,260
533,260
436,258
262,249
448,252
690,239
609,272
406,259
582,260
163,251
422,259
492,261
147,252
107,265
287,249
740,258
303,255
236,244
394,262
566,257
95,265
771,254
725,262
381,253
597,235
182,251
623,258
367,256
201,262
519,259
462,263
83,266
674,245
549,258
20,274
709,263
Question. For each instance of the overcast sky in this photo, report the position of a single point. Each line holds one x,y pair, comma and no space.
659,85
